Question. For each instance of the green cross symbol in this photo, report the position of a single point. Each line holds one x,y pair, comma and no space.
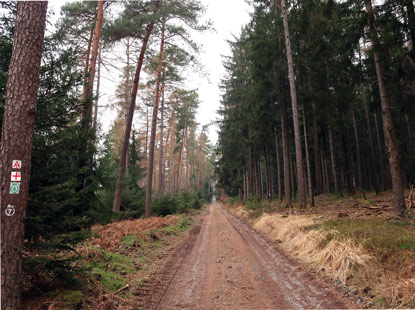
14,187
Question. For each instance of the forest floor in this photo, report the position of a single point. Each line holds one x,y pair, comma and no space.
347,252
356,243
120,266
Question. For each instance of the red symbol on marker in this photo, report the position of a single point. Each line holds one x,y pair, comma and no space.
17,164
16,176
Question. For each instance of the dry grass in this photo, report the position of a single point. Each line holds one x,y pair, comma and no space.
316,248
351,239
109,236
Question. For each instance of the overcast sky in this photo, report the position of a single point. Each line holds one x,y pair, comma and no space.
228,17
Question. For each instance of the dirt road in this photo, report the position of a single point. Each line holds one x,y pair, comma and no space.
229,266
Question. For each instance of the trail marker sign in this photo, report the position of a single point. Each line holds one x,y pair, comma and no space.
17,164
10,210
16,176
14,188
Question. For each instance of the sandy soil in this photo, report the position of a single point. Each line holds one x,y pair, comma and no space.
224,264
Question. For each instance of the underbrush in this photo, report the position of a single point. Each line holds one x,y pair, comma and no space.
113,264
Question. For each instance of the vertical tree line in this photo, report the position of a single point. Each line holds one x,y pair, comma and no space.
339,63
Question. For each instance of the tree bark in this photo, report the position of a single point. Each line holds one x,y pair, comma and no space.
296,120
16,143
310,184
179,177
317,157
161,186
359,166
371,144
167,142
333,158
388,127
277,151
97,93
123,157
381,155
87,108
150,162
286,154
87,56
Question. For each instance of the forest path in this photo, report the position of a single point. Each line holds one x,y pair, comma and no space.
230,266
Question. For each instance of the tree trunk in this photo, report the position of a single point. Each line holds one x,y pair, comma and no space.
359,166
333,158
16,143
277,150
382,166
150,162
347,150
123,157
179,177
97,93
261,179
317,157
310,184
161,185
388,127
167,143
87,56
296,120
87,109
286,152
371,144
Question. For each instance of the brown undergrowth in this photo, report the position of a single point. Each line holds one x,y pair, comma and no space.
116,261
355,241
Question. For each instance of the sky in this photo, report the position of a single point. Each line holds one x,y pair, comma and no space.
228,17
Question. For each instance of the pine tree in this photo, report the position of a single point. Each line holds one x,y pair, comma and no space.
16,143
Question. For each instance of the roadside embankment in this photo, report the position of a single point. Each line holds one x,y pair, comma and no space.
371,256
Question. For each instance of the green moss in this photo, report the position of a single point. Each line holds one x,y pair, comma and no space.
72,297
133,240
110,269
183,224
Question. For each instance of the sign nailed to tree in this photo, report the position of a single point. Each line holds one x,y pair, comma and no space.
16,176
17,164
14,188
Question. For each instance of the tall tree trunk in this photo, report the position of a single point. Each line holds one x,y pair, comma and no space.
150,162
317,157
286,150
16,143
359,166
333,157
307,155
161,186
87,109
179,177
381,156
87,56
261,178
97,93
296,119
277,151
167,143
347,150
388,127
371,144
123,157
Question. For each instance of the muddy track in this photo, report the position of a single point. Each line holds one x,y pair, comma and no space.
224,264
153,289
